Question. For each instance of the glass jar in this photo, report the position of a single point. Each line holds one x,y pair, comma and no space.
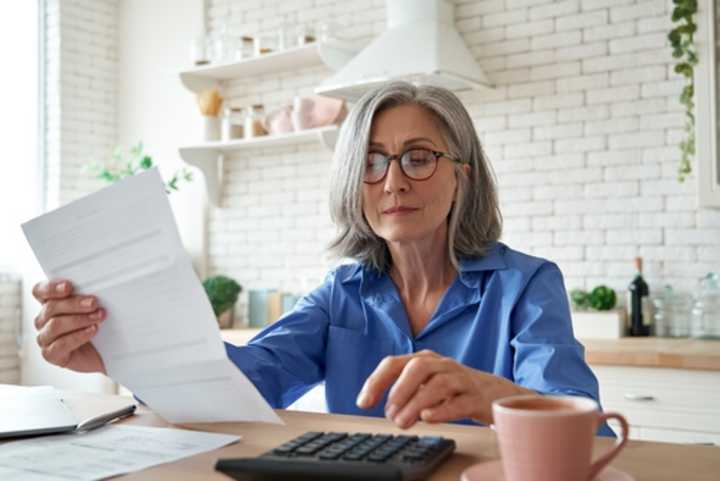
706,309
265,43
198,51
305,34
254,120
246,47
672,312
232,124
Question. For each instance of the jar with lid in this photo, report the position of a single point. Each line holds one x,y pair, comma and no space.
706,309
254,120
265,43
232,124
305,34
246,47
671,313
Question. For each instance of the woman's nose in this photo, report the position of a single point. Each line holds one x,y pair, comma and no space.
395,180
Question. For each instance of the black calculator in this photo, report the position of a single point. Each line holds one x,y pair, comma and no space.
321,456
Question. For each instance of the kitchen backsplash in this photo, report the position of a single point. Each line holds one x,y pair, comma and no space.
582,131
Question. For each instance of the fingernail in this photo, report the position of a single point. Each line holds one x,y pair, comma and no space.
62,287
88,302
97,314
362,399
91,329
391,411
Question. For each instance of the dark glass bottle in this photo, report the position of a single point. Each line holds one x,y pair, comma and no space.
639,303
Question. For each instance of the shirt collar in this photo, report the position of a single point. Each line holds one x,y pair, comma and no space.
470,267
494,259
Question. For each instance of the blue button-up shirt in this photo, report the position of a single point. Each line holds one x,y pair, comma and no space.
506,313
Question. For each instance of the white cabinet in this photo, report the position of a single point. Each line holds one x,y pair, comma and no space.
667,405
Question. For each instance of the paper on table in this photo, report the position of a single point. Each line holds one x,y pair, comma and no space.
105,452
160,339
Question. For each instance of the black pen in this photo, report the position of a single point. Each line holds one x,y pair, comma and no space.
97,421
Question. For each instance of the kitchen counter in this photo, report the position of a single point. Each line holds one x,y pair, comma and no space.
654,352
629,351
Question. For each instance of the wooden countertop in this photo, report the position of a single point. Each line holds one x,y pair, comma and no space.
628,351
654,352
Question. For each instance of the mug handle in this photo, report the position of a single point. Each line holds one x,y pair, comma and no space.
605,459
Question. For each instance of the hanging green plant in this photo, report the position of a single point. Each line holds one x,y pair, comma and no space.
681,39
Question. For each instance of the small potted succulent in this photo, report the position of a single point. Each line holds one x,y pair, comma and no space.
223,293
594,314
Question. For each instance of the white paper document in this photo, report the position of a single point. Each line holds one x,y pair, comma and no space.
105,452
160,338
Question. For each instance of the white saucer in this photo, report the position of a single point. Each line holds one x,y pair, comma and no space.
493,471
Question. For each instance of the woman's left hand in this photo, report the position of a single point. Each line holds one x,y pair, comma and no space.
433,388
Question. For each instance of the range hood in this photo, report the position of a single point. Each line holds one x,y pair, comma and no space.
420,45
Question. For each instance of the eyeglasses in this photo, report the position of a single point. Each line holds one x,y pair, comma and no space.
415,164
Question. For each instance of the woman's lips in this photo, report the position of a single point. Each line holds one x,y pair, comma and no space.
399,210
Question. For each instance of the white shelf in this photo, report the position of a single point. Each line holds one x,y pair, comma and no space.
210,156
334,54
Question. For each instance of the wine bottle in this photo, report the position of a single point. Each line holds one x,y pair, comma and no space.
639,303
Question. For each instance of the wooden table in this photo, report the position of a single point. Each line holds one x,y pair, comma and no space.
643,460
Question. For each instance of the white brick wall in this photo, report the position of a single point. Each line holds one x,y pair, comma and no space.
582,131
10,300
80,87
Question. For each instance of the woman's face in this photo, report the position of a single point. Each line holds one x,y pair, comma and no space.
400,209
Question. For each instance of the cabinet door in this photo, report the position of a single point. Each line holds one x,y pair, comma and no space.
663,404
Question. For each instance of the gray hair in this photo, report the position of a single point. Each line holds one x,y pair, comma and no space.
474,221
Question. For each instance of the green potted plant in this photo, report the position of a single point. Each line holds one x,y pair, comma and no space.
223,293
594,314
133,162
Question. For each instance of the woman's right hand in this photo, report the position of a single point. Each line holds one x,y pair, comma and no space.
66,324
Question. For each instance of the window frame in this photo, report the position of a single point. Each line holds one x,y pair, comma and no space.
706,107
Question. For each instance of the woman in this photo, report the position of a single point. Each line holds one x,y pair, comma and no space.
436,320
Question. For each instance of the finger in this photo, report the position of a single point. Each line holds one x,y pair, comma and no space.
457,407
57,327
382,378
71,305
60,351
54,289
438,389
417,372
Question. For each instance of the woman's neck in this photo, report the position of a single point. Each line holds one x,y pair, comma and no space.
421,268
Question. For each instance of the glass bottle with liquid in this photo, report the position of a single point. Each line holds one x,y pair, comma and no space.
639,311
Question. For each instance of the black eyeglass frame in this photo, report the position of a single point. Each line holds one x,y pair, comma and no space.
389,158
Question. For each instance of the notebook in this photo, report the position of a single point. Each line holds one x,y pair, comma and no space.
32,411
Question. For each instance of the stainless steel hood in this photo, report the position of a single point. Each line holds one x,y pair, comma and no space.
420,45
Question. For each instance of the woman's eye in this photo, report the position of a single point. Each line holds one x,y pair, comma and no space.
375,161
418,157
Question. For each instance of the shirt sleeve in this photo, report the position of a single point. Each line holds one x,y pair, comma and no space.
548,358
286,359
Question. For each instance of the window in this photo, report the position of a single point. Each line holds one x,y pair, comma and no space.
21,184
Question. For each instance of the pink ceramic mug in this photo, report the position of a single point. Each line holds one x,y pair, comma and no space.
550,438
